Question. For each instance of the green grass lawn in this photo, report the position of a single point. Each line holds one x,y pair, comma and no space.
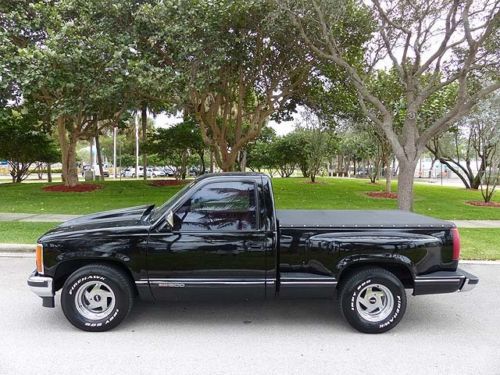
476,243
481,243
329,193
22,232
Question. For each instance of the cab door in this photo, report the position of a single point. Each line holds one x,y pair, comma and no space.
216,245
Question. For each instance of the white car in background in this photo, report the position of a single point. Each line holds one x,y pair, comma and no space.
158,172
170,170
127,172
130,172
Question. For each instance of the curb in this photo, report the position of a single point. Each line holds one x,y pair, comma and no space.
17,255
479,262
17,248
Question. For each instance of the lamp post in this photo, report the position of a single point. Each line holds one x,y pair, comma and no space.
115,130
136,148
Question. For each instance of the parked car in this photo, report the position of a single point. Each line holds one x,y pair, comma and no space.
85,168
221,235
194,171
130,172
127,172
170,170
158,172
97,171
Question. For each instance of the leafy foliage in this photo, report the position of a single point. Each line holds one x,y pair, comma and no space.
23,144
178,144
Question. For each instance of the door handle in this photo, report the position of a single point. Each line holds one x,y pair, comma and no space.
253,245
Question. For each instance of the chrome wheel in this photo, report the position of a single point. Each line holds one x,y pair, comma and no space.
374,302
95,300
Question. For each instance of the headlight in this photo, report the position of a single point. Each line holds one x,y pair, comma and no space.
39,258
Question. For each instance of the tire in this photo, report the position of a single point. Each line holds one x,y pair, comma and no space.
372,300
97,298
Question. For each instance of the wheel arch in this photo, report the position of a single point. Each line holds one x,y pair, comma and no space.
402,271
67,267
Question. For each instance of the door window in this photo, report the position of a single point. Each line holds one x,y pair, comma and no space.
219,206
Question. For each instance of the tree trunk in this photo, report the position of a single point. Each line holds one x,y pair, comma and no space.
49,172
144,122
68,154
405,184
243,161
202,161
211,161
99,155
388,175
39,168
71,177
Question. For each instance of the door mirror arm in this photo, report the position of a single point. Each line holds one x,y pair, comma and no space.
167,221
170,218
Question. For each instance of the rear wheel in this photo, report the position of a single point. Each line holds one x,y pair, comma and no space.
373,300
97,298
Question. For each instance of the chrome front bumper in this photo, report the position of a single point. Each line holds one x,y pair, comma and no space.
42,287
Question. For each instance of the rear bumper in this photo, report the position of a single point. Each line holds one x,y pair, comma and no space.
445,282
42,286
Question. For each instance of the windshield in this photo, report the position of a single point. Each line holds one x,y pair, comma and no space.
160,211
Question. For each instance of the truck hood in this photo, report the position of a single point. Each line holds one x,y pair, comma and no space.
125,217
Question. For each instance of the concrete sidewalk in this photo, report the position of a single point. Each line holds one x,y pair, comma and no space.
477,223
36,217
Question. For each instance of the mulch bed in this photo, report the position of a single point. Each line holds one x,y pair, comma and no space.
483,204
80,188
160,183
382,194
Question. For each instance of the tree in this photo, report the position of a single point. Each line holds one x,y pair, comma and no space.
259,152
315,138
81,70
23,143
431,45
240,63
178,144
287,152
471,141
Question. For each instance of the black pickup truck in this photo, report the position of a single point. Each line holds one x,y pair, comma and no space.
221,236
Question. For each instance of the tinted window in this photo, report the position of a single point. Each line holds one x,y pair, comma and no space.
219,206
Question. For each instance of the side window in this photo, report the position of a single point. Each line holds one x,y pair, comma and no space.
219,206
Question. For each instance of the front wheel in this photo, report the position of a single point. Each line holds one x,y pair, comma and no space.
97,298
373,300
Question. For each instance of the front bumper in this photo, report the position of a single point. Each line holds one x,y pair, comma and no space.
445,282
42,286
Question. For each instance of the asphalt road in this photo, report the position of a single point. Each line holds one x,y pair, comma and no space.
441,334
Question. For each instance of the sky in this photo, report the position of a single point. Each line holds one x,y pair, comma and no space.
164,121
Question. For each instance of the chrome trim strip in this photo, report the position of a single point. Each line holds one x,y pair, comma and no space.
179,283
226,279
439,280
309,282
